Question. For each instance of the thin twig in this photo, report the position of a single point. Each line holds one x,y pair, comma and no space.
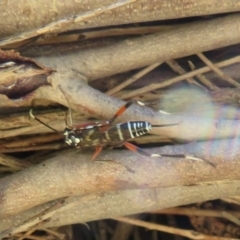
235,200
219,72
52,232
173,223
33,237
178,69
171,81
53,26
136,234
102,230
14,163
133,79
230,215
123,230
30,231
203,79
186,233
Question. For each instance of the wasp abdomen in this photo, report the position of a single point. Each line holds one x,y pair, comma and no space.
124,131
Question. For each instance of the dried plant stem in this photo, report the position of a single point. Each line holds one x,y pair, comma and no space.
218,71
203,79
178,69
63,23
142,11
32,148
30,141
196,212
13,163
103,33
132,79
55,233
169,82
36,220
234,200
230,215
231,218
30,237
7,169
30,231
186,233
123,230
57,207
31,129
125,202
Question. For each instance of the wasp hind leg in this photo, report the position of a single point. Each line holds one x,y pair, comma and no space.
134,148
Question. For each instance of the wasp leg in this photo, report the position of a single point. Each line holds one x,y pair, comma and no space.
122,109
97,152
185,156
134,148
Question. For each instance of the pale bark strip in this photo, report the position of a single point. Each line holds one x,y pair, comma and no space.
20,16
120,57
120,203
57,25
72,173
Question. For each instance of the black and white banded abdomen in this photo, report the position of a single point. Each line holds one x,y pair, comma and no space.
127,130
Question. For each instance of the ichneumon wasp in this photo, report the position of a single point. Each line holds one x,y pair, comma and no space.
105,133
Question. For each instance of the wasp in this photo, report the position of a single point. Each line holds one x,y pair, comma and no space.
105,133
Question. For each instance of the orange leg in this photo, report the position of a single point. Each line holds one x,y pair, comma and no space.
121,110
106,124
97,152
134,148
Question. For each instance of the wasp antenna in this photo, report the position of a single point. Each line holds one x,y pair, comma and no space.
31,114
165,125
40,121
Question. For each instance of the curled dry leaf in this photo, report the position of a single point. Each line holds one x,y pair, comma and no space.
20,75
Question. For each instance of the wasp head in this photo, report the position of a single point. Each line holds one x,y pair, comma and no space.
71,137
